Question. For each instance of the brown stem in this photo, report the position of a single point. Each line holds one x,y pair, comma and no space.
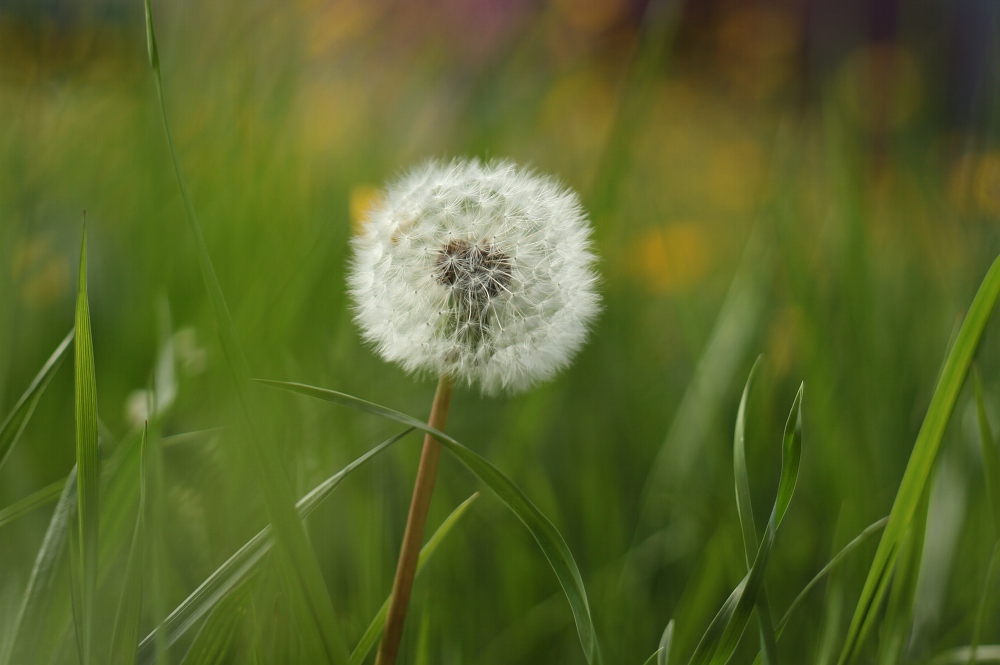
414,534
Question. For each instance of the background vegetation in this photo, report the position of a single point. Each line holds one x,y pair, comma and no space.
816,182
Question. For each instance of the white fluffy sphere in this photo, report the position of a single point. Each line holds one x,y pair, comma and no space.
483,272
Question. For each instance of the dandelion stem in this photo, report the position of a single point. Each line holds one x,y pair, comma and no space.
414,534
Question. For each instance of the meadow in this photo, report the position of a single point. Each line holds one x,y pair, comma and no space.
808,199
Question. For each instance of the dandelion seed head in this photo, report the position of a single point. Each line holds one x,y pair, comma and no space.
482,271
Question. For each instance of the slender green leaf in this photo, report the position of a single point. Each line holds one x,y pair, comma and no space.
309,597
29,503
548,538
125,638
26,634
244,562
984,603
991,460
744,506
898,618
837,558
723,635
666,641
859,540
989,653
374,630
831,616
423,650
88,463
214,642
13,426
924,453
654,659
768,642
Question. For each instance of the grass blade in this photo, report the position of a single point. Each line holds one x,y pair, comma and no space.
14,425
768,642
244,562
960,655
88,462
125,638
666,641
723,635
655,658
898,618
214,641
26,634
984,602
991,459
423,648
29,503
859,540
374,630
924,453
548,538
309,596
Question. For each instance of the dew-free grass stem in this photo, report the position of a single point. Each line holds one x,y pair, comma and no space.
409,553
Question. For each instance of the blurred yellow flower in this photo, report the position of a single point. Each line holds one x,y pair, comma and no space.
974,184
986,183
671,259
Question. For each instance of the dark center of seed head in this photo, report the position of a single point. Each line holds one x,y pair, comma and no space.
475,270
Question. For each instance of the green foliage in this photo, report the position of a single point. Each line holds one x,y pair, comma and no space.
12,427
88,464
374,630
549,540
723,634
745,201
125,638
918,469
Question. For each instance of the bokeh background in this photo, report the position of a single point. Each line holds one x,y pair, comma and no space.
812,180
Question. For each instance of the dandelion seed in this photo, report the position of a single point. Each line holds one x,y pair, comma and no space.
481,272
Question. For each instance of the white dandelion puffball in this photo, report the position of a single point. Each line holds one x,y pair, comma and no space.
482,272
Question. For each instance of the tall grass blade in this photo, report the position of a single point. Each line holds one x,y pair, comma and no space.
29,503
423,650
924,453
723,634
768,642
961,656
984,603
244,562
13,426
548,538
830,616
991,459
214,642
859,540
88,462
26,634
898,620
666,641
309,597
654,659
125,638
374,630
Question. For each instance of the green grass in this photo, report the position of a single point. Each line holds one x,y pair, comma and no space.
732,220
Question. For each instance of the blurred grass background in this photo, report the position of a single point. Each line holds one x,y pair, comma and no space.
815,181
